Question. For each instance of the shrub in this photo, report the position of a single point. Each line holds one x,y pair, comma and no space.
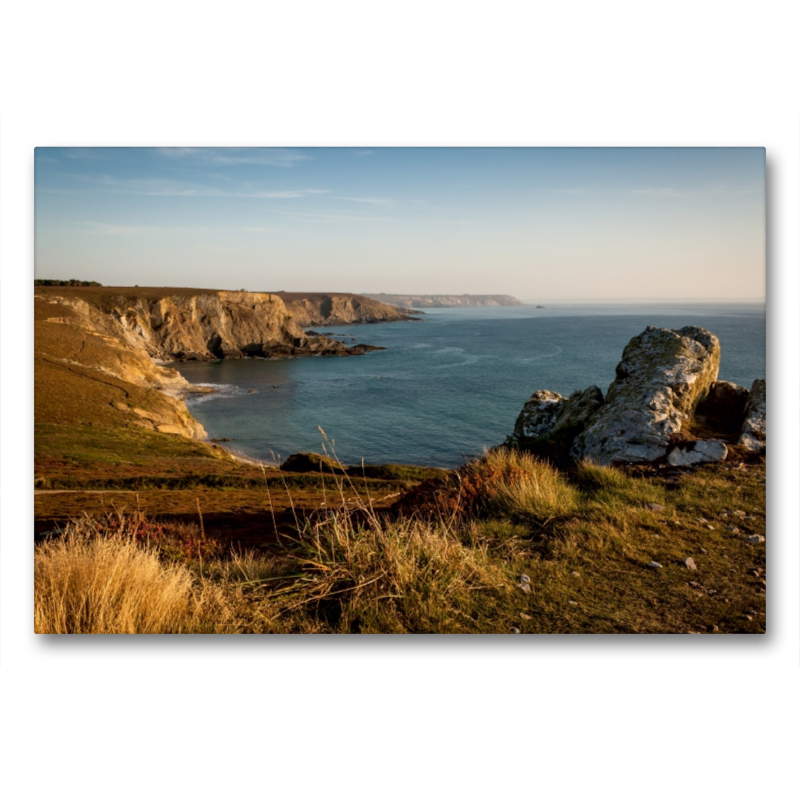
505,482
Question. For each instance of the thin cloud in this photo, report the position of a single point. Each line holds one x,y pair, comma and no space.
668,191
116,230
324,217
159,187
370,200
664,191
230,156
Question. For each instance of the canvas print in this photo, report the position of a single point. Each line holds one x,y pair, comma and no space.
400,390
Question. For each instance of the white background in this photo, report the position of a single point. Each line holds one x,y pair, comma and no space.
623,717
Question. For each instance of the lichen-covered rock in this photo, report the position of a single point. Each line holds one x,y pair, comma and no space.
547,413
538,416
660,380
754,428
705,451
576,412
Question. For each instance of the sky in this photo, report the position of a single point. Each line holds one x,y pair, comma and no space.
542,224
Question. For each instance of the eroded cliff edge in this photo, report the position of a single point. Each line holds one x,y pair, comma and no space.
197,324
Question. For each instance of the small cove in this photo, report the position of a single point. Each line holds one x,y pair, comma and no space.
449,386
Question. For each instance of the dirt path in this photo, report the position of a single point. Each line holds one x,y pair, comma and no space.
90,491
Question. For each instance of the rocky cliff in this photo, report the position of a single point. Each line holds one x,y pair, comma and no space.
190,324
446,300
665,403
309,309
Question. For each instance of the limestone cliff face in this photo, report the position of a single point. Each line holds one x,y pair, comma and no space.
309,309
181,324
221,325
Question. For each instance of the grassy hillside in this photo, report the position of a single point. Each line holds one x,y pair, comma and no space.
85,413
535,550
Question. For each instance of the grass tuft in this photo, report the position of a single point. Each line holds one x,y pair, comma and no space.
85,582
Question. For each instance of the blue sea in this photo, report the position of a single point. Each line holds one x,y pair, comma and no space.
446,387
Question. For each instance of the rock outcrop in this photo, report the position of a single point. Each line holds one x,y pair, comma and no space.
538,416
662,377
548,413
665,402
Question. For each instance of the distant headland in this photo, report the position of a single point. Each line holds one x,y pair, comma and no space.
445,300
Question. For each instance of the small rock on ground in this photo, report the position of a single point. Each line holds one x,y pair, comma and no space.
656,507
689,564
654,565
754,539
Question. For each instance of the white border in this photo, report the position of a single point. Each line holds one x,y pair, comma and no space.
557,716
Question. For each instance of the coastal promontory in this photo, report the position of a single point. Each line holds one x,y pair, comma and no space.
341,308
172,324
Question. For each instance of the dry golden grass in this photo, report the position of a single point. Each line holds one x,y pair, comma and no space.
367,573
528,488
584,539
86,583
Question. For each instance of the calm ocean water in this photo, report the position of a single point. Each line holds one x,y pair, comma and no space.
449,386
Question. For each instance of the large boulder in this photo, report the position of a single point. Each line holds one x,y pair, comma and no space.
754,428
662,377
